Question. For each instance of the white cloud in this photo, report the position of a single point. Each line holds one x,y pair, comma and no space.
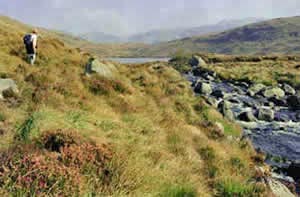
131,16
93,20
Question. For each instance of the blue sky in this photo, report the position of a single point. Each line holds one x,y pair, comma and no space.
122,17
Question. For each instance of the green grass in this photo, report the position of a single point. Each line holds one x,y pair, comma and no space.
229,188
26,129
179,191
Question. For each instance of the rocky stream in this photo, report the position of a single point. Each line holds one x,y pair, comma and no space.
269,116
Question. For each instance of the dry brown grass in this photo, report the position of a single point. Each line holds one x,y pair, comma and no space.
147,117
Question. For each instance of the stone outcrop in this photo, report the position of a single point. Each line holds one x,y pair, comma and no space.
197,61
7,88
247,116
255,89
289,90
274,92
278,189
203,88
106,69
225,109
266,114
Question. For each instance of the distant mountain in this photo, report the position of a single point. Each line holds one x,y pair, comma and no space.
165,35
281,35
100,37
157,36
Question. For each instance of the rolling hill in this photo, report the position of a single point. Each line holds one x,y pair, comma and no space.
281,35
164,35
157,36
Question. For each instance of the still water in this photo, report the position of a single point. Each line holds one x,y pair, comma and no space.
137,60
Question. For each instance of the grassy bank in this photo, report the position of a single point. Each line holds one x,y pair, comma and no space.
269,70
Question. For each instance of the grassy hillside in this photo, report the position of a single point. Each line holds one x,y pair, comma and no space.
139,133
274,36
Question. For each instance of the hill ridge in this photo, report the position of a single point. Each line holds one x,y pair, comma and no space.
280,35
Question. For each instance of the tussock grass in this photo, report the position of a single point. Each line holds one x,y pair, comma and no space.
146,117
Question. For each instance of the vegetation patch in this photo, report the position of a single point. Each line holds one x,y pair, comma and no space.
102,86
229,188
179,191
58,163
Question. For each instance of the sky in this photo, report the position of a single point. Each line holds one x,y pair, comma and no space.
125,17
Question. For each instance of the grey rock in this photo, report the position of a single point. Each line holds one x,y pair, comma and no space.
282,177
249,125
266,114
203,88
244,84
197,61
270,104
239,90
225,109
289,90
278,189
103,69
7,85
274,92
221,130
247,116
255,89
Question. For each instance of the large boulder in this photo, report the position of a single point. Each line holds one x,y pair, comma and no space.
247,116
203,88
197,61
7,86
255,89
279,189
106,69
274,92
225,109
266,114
293,102
289,90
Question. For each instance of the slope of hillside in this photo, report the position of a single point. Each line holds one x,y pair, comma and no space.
139,132
274,36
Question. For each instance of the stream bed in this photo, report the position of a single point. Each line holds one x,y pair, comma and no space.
269,116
